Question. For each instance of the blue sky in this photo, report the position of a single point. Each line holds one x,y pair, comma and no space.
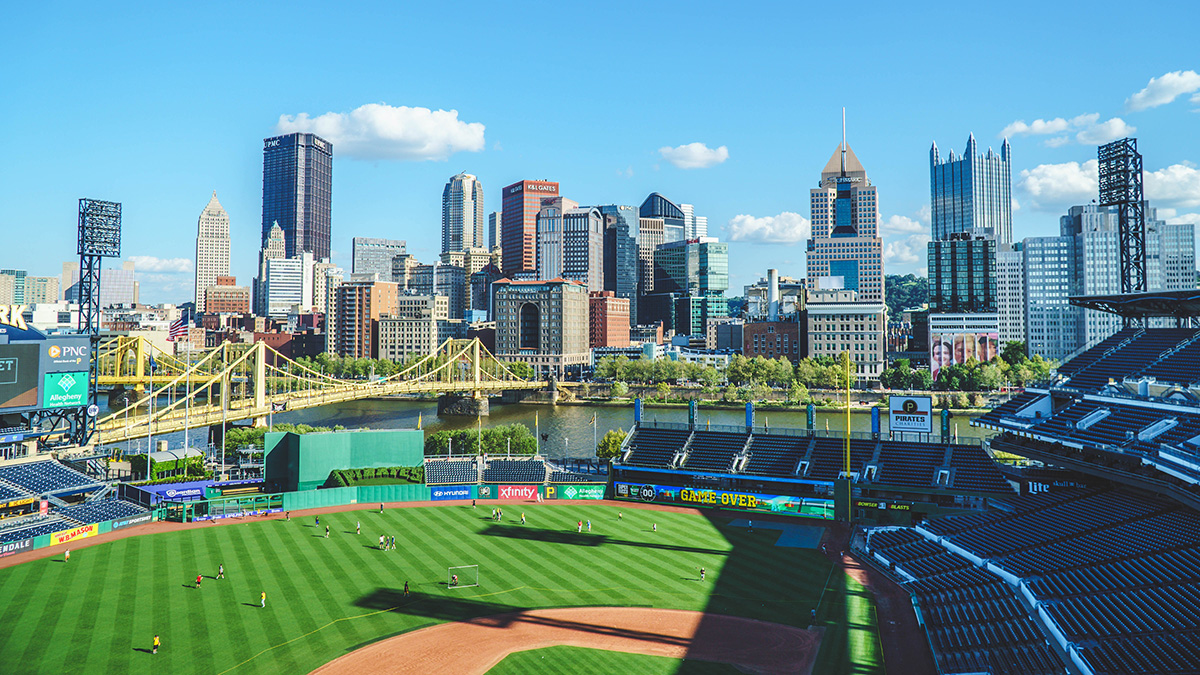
156,106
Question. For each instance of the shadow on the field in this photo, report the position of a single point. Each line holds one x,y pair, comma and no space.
492,615
585,539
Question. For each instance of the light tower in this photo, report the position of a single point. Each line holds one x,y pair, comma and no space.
99,238
1121,186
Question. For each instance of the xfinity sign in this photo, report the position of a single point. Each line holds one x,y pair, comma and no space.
911,413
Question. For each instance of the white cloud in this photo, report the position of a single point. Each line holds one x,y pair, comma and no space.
1038,127
910,250
1087,129
1111,130
1052,187
1178,184
785,228
901,225
149,263
1162,90
381,131
694,155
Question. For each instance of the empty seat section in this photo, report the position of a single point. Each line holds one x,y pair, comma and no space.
450,471
714,450
44,477
515,471
98,512
656,447
775,455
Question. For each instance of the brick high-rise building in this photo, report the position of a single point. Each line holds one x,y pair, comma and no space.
544,323
225,296
518,232
608,320
359,304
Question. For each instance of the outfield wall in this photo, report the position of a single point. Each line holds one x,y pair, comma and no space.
737,500
297,462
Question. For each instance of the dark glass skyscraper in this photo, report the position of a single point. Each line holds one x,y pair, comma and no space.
658,206
298,190
621,269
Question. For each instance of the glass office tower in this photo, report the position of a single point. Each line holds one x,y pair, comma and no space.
298,191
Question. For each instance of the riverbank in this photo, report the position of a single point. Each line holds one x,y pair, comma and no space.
766,406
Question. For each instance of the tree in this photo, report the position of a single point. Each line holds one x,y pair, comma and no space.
610,444
618,390
903,292
521,369
709,376
1013,352
664,390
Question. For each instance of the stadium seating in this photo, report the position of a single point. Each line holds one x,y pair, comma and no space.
572,477
1117,572
515,471
1126,359
98,512
656,447
909,464
973,618
8,493
775,455
45,477
828,457
451,471
1014,405
1182,367
975,470
27,528
1091,356
714,450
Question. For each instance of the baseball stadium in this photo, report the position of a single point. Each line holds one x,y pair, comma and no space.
1066,541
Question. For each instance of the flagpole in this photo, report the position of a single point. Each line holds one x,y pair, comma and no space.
537,434
187,402
595,442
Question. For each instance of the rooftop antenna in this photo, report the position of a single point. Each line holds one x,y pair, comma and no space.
843,140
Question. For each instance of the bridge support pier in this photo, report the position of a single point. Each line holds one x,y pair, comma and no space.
455,404
119,397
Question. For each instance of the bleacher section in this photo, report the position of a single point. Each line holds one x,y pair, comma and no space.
714,450
828,457
909,464
1117,573
27,528
9,493
572,477
775,455
514,471
45,477
974,620
1132,353
450,471
656,447
98,512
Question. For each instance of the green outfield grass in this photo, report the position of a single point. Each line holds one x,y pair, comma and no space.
580,661
326,597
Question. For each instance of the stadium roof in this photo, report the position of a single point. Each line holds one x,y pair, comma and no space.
1179,304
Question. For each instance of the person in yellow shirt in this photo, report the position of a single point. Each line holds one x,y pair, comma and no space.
156,643
264,598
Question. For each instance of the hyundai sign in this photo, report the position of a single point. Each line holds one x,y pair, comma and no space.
911,413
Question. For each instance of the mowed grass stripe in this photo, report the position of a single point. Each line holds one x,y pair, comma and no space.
290,606
49,609
328,578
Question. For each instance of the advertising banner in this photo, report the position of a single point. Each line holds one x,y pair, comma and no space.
66,536
239,514
579,492
131,521
450,492
516,491
65,390
14,547
911,413
947,349
18,502
744,501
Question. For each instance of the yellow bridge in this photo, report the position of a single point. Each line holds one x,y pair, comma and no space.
247,381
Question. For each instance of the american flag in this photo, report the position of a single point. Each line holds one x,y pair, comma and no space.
177,330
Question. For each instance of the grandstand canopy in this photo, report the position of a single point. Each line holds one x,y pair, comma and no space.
1179,304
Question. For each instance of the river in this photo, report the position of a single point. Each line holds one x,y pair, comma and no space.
568,427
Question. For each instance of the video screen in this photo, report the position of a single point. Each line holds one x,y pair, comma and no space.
18,376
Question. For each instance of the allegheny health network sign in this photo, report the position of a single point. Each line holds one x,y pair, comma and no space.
65,390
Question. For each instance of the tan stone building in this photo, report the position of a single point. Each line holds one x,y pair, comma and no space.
839,322
544,323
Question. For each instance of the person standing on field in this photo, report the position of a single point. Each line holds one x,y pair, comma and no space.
326,531
67,556
199,577
701,574
406,589
264,598
156,643
357,527
221,571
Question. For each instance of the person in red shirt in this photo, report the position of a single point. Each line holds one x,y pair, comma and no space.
199,577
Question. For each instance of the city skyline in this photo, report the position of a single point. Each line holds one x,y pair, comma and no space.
745,168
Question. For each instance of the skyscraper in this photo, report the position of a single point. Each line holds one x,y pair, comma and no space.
694,226
212,248
845,239
673,217
621,268
297,192
550,237
374,255
518,233
971,194
462,213
495,222
273,248
570,242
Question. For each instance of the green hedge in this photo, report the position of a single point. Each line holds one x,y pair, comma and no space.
387,474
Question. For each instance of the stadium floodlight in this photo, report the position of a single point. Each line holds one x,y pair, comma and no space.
468,576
